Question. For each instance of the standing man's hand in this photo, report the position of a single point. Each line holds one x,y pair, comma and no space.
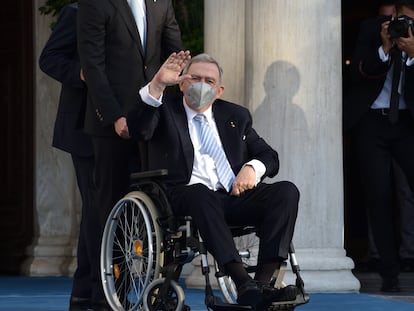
121,128
245,180
385,37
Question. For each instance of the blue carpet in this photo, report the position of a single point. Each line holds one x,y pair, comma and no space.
48,293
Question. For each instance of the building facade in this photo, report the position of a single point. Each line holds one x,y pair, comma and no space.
274,64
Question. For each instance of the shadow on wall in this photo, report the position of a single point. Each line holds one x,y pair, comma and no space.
282,122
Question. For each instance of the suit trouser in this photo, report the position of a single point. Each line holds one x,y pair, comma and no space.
272,208
88,230
405,201
378,142
114,161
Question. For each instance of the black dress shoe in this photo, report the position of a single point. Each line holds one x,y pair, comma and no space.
390,285
79,303
248,294
407,265
101,305
271,294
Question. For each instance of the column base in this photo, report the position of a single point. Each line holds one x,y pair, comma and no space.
51,257
322,270
325,270
196,279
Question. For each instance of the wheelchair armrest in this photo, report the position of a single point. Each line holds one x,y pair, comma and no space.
149,174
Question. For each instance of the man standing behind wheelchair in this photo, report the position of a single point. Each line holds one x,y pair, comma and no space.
216,164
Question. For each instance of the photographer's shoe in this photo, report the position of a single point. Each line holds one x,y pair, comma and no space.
390,285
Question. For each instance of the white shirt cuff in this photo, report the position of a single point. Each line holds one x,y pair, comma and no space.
258,167
148,98
384,57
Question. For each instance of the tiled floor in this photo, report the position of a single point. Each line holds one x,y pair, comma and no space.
370,285
44,294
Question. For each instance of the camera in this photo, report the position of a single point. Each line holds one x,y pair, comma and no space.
399,27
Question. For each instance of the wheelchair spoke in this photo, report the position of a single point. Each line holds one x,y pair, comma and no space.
130,251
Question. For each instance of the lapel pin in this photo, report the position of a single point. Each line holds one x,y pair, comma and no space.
232,124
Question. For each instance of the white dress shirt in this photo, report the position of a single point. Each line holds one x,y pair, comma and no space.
384,97
138,9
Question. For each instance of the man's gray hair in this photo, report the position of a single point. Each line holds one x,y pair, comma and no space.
203,58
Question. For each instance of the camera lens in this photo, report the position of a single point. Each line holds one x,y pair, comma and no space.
399,27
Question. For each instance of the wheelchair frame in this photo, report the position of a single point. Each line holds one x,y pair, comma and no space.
144,248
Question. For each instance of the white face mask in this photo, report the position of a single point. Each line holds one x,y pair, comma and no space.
200,94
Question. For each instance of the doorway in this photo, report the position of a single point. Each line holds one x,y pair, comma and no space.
16,158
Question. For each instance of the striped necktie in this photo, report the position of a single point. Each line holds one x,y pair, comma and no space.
210,146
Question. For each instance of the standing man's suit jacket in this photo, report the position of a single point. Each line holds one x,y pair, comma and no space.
169,143
60,60
369,73
114,62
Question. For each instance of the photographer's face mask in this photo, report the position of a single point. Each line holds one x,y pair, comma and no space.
200,95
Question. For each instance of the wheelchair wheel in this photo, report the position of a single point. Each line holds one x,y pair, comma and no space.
172,301
131,254
248,247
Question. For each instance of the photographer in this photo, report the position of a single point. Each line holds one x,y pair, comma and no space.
399,32
379,110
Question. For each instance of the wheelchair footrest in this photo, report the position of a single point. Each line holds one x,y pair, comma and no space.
289,305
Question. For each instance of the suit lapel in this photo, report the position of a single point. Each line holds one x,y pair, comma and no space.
229,131
125,11
179,118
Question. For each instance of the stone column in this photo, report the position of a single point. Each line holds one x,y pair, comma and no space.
225,40
286,55
228,18
57,202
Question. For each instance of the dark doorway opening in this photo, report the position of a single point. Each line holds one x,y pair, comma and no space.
356,244
16,158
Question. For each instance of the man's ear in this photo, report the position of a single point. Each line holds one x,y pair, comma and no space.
180,85
220,91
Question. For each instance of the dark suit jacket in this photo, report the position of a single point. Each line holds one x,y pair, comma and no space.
169,144
114,62
59,59
369,73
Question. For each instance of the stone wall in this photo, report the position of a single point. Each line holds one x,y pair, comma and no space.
57,202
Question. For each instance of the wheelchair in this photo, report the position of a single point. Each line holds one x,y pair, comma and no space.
144,248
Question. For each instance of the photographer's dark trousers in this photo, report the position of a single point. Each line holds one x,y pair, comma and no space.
270,207
378,142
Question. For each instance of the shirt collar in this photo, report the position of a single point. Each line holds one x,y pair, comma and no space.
191,113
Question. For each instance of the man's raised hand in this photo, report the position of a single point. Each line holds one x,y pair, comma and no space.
169,73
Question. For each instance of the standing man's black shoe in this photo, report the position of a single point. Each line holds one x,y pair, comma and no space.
101,306
79,304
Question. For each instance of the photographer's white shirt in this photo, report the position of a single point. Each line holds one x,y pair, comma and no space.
384,97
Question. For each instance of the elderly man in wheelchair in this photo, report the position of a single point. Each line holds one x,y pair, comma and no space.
210,191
